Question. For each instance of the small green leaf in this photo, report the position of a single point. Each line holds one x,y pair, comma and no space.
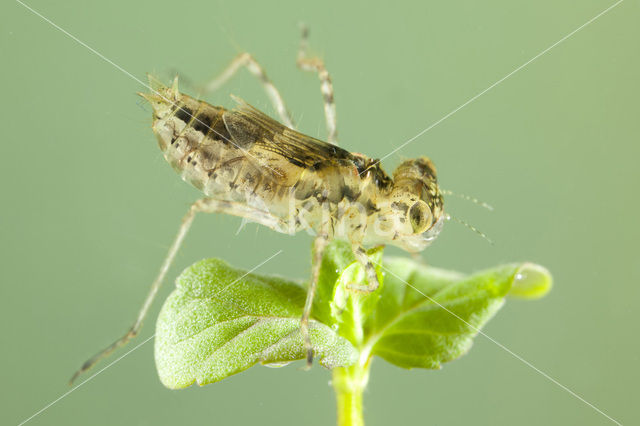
351,308
220,321
336,258
428,316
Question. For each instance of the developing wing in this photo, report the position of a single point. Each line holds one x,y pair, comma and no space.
258,132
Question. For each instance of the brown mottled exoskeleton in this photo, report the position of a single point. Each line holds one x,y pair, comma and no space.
249,165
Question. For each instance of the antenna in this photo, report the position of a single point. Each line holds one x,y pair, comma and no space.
468,198
467,225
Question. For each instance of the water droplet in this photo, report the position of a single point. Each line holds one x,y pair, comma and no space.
531,281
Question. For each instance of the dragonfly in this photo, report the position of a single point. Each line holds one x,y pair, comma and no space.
250,165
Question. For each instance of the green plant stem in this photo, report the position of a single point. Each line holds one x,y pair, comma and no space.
349,384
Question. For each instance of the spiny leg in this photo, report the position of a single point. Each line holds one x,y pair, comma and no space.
246,60
319,245
205,205
369,269
316,64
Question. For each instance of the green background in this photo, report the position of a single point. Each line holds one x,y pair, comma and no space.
89,205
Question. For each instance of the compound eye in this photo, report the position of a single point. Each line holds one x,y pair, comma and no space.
419,217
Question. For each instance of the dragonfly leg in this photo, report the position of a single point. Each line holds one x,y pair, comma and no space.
315,64
247,61
319,244
205,205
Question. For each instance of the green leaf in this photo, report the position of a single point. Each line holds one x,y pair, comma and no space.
220,321
397,295
428,316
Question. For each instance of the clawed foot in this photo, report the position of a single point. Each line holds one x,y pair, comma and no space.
309,363
361,289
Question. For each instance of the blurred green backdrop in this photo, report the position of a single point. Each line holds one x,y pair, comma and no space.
89,206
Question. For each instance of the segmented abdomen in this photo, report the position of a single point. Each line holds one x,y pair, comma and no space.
197,144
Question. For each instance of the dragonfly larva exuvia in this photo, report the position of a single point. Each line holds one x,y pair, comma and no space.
252,166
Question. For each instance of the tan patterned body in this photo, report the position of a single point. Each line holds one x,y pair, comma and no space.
243,156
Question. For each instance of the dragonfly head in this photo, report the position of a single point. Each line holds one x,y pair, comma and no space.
415,205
